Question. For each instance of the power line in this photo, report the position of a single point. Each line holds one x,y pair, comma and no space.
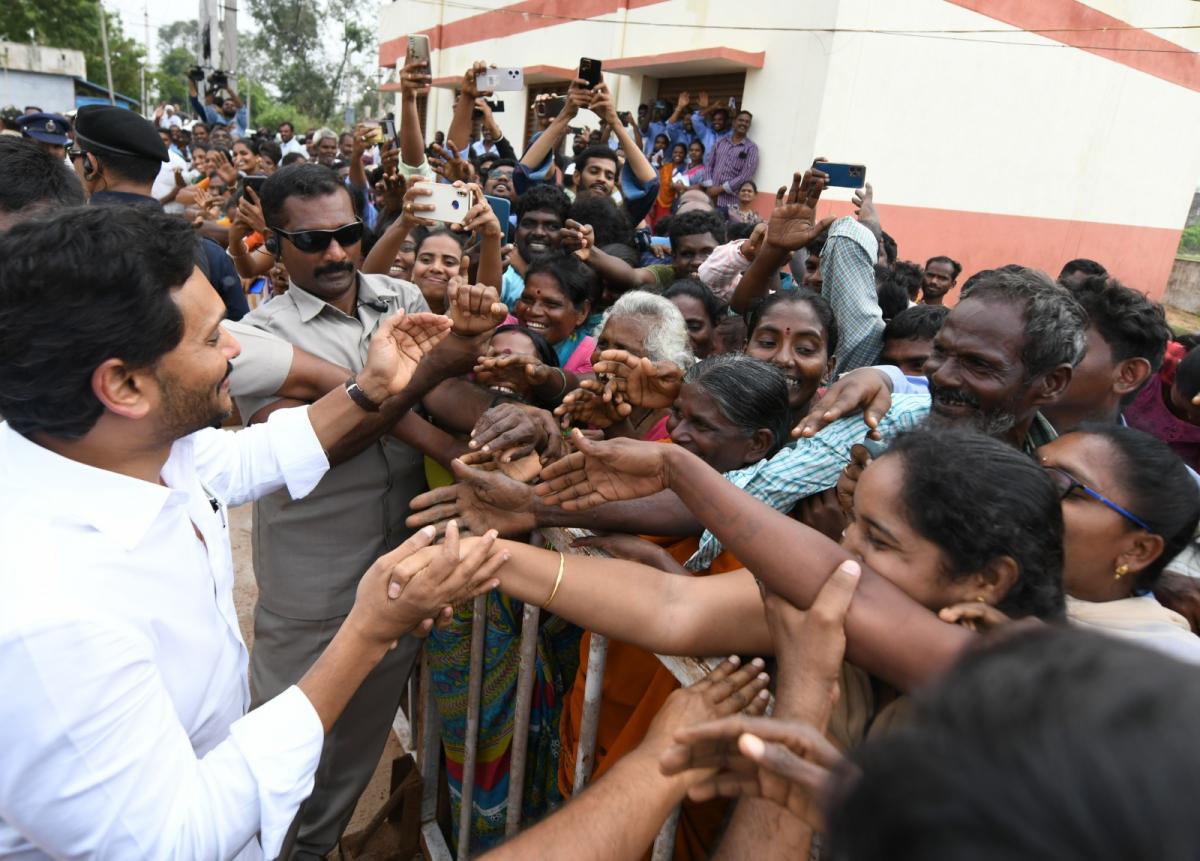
851,30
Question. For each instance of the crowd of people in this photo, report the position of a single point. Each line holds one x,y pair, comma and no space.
943,523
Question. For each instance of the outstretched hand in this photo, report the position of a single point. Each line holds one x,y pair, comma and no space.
396,349
474,308
588,405
793,222
483,498
604,471
864,389
638,380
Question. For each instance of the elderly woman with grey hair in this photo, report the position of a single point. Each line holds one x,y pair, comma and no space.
643,326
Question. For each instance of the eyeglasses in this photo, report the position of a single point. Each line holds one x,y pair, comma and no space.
1067,483
310,241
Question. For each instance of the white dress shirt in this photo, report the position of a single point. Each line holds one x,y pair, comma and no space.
291,146
123,690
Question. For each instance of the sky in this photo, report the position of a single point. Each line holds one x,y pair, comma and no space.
161,12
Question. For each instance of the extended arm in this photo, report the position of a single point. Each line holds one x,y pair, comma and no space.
535,158
415,81
848,282
459,134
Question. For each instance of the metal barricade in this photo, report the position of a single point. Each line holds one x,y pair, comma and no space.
434,845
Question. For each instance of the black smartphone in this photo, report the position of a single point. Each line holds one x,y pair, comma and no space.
589,70
254,182
389,129
497,106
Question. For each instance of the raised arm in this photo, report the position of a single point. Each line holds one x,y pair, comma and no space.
635,159
578,96
415,81
792,225
888,633
464,108
612,270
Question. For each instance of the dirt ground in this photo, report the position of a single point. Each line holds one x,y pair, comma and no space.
245,592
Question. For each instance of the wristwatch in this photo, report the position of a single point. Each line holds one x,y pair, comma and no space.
360,397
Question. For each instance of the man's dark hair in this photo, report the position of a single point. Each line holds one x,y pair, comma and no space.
77,288
496,162
747,113
738,230
595,151
815,247
1055,325
545,198
890,249
695,223
892,297
201,125
1006,506
300,180
955,266
134,168
1159,488
909,276
1059,743
918,323
32,177
714,308
1131,324
577,281
1081,264
271,150
288,124
293,158
607,220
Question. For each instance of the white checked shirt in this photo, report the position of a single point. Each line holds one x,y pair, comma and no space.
123,689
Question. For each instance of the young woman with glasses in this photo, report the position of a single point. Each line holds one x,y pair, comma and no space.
1129,507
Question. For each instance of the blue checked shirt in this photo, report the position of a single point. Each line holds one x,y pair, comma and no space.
848,282
812,465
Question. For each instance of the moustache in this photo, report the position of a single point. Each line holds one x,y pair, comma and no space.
333,268
952,397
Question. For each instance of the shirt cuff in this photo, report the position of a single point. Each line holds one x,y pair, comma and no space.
901,385
296,447
281,742
408,171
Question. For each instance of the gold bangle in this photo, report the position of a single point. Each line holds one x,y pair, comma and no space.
562,561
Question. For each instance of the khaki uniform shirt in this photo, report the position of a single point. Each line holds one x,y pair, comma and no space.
310,553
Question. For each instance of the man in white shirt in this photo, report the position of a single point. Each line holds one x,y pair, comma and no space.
123,721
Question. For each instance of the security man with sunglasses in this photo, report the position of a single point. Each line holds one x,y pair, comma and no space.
307,554
117,155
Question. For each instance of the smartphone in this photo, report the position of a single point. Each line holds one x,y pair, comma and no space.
389,129
501,80
496,106
450,204
418,49
589,70
553,107
254,182
375,133
502,207
843,175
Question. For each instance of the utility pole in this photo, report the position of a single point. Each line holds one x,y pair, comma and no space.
146,60
107,60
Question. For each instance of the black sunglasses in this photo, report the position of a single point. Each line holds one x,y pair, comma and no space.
310,241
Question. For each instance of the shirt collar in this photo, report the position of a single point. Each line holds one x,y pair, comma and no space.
119,506
1040,433
369,287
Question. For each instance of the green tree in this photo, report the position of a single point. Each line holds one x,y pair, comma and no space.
76,24
311,53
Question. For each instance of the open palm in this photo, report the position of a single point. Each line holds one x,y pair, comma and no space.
793,222
399,345
607,471
638,380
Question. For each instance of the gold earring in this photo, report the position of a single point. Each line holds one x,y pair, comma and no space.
1121,571
981,599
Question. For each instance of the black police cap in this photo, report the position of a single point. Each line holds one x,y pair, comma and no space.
109,130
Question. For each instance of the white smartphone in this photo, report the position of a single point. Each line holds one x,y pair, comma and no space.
451,204
418,49
501,80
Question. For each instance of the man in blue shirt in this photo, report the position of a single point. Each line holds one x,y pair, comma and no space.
232,113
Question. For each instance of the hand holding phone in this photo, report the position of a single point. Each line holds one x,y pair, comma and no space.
501,80
842,175
450,203
418,49
589,70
